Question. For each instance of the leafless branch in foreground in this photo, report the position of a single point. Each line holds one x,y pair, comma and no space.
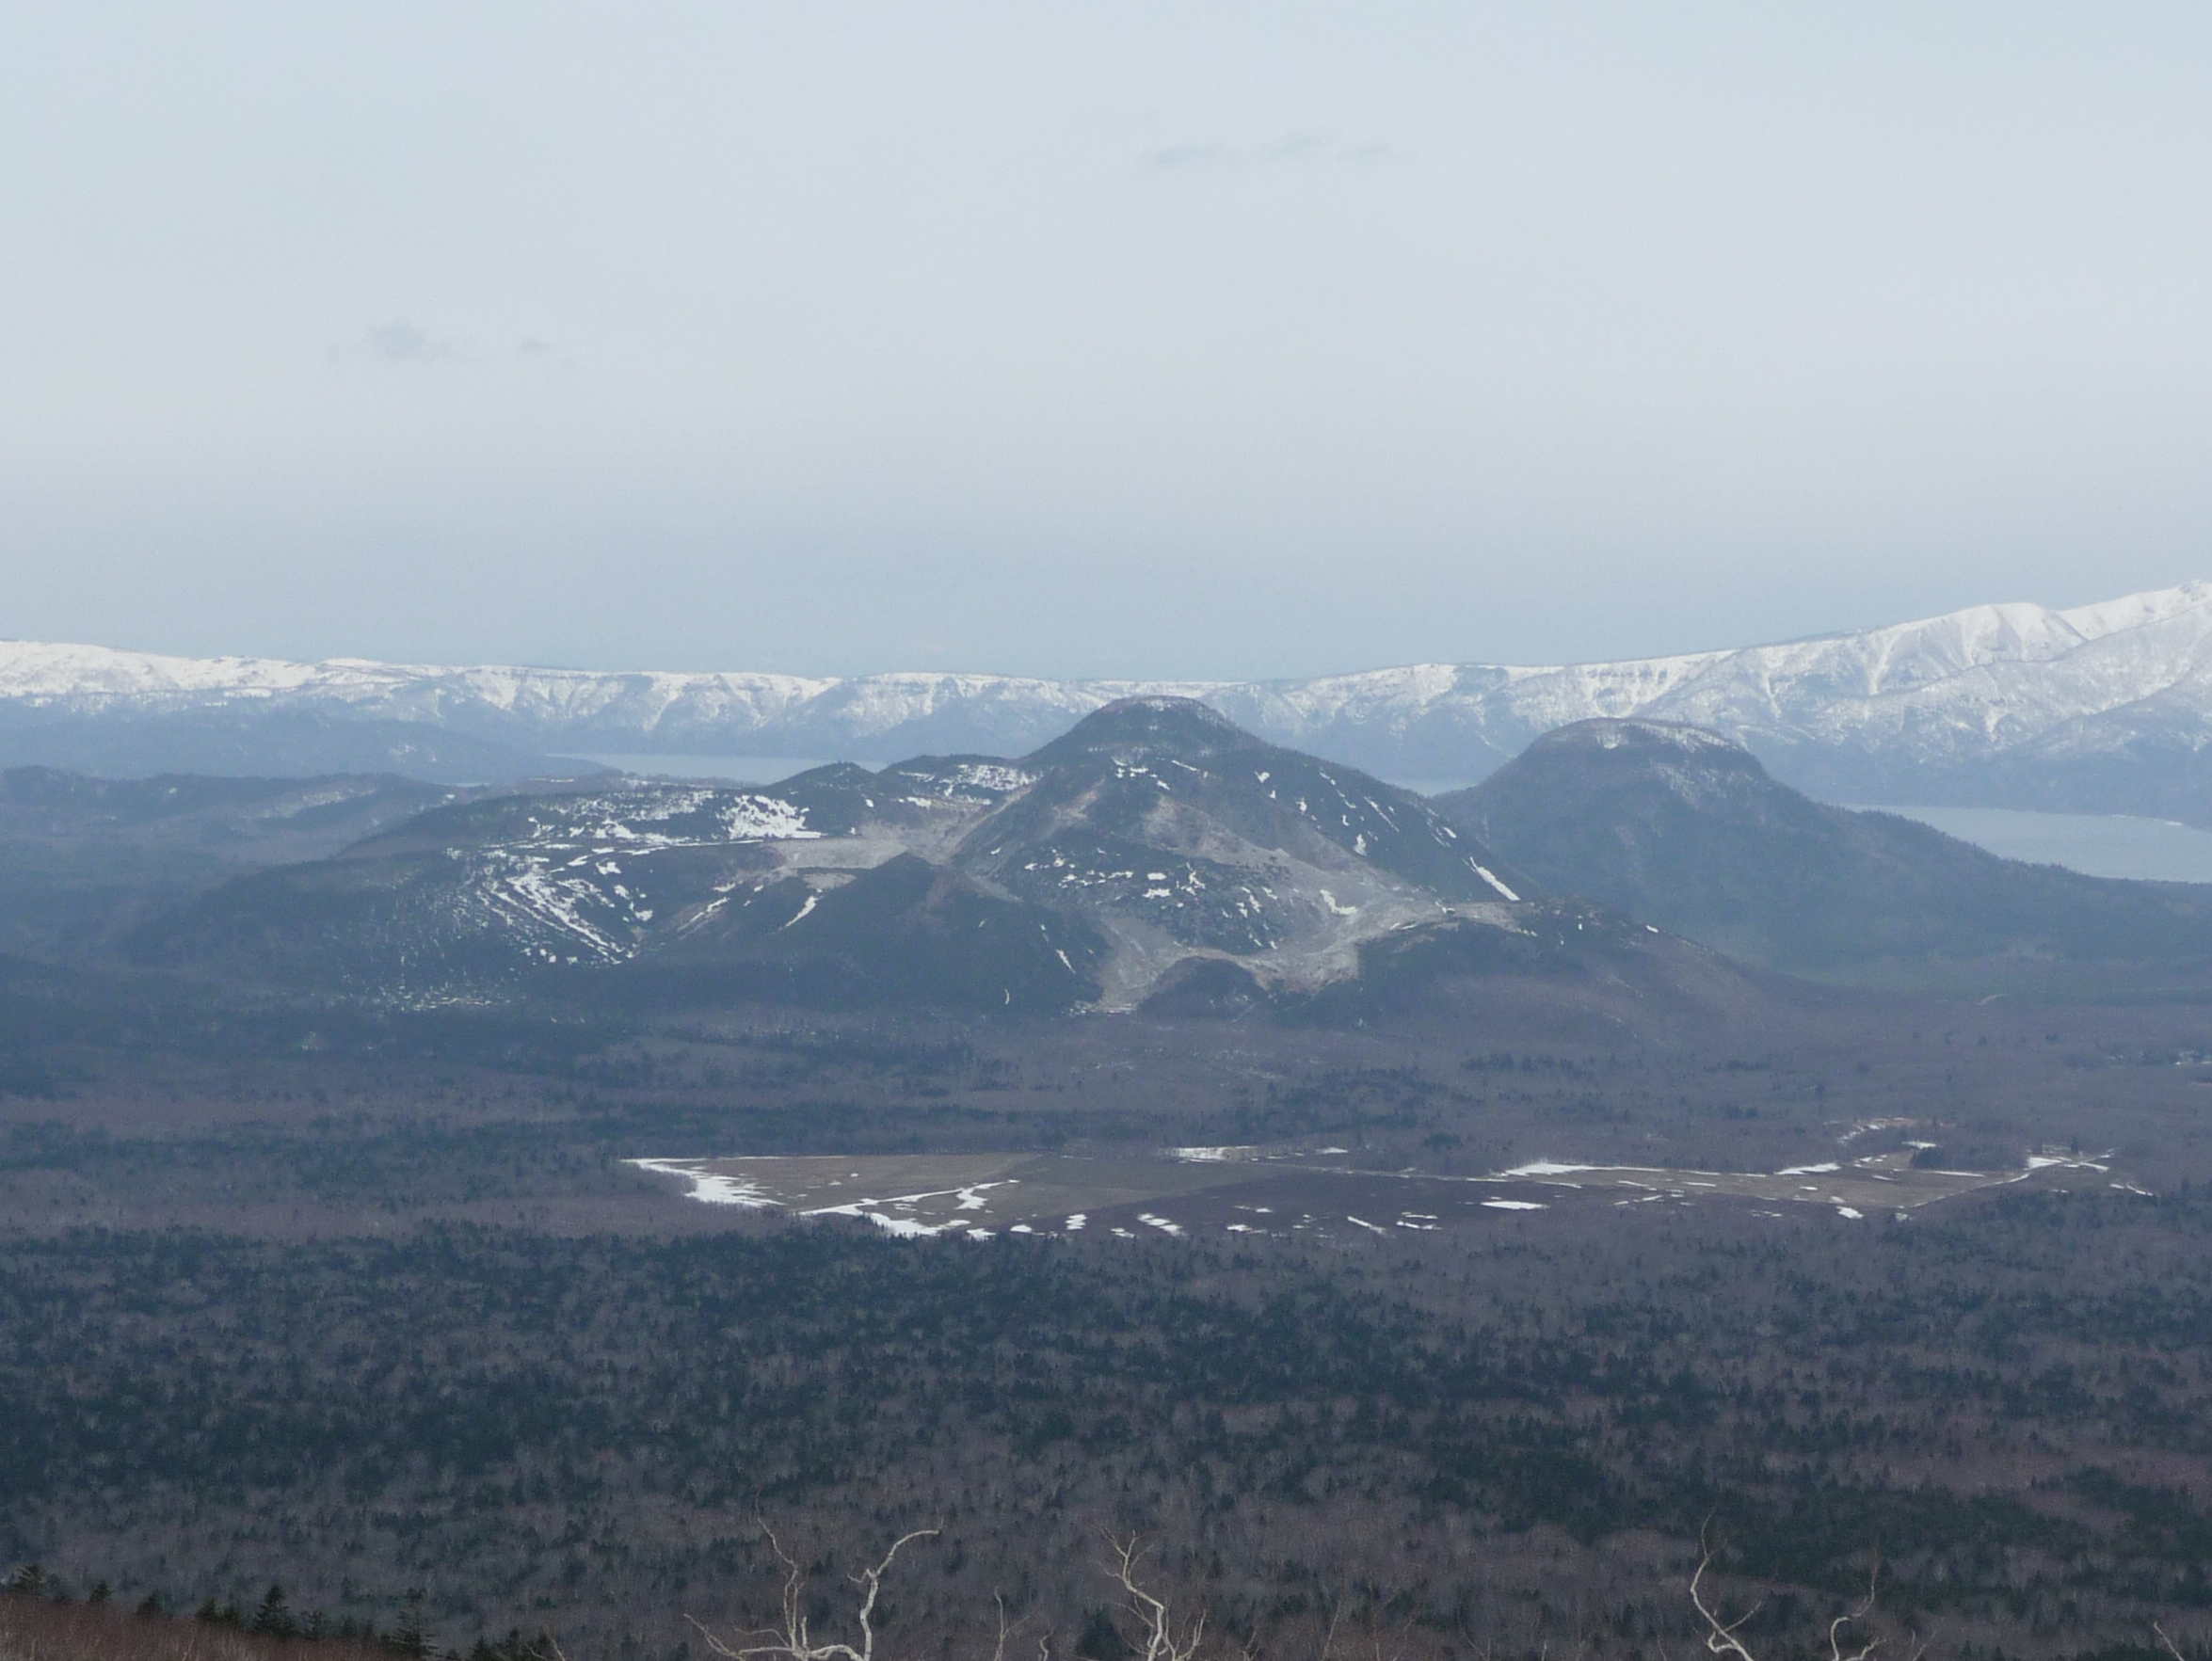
1156,1637
792,1641
1720,1637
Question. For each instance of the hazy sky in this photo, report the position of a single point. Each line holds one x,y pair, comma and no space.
1196,339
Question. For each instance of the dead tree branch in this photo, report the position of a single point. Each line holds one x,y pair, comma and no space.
1157,1639
1721,1638
791,1640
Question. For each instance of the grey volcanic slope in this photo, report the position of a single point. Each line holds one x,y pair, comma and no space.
1182,836
1157,849
1680,827
84,859
809,893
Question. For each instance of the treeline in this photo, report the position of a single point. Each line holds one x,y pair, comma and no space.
37,1603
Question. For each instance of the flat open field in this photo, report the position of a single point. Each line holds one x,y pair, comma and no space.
1253,1191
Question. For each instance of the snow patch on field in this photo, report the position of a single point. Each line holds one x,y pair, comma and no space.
905,1227
1546,1168
709,1186
850,1207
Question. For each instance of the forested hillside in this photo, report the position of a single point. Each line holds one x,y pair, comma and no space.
1476,1435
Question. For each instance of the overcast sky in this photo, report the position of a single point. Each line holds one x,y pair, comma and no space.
1191,339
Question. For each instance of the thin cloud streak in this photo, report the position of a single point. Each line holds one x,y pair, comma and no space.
1291,150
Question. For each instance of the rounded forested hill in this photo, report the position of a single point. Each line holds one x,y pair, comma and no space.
1683,828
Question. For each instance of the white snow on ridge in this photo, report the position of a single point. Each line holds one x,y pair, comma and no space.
1484,872
990,776
1972,682
527,891
624,818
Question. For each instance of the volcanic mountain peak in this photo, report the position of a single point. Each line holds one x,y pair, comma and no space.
1155,834
1685,829
1576,766
1638,733
1135,730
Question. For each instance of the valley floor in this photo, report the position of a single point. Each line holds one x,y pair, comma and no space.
399,1309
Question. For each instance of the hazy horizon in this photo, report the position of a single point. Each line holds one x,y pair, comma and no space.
1253,343
985,670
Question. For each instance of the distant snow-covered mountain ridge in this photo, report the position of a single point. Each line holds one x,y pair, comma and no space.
2102,708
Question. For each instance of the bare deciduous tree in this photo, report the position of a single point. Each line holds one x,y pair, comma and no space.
1156,1637
1720,1637
791,1640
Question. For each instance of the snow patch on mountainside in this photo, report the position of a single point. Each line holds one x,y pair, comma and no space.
1975,683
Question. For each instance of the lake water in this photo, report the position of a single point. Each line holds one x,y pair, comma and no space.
2096,844
728,769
